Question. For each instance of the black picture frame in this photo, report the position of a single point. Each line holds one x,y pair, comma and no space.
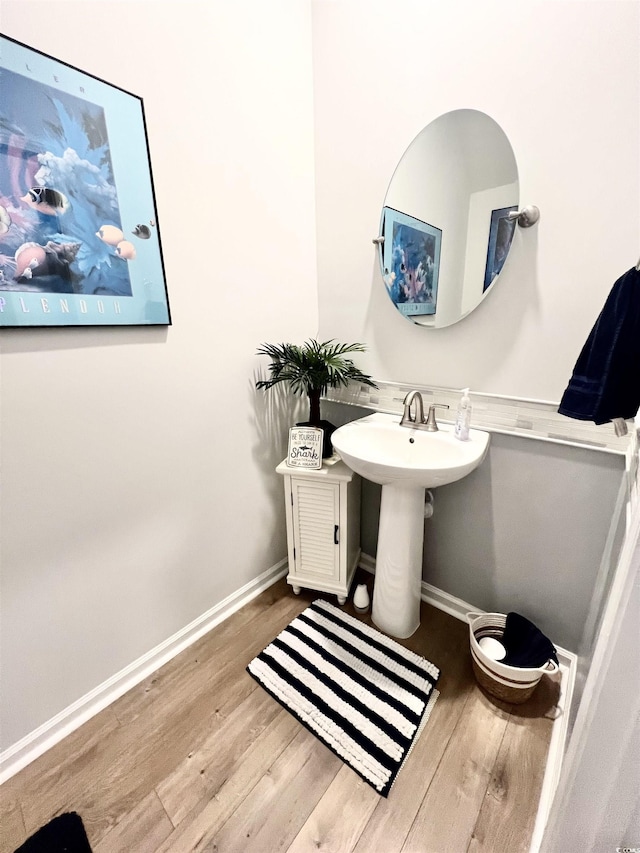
79,234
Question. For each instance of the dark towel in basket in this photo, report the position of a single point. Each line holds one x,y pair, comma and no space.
526,645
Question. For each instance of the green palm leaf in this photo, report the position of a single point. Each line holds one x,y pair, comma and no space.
313,367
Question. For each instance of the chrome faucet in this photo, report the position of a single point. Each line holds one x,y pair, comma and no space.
407,420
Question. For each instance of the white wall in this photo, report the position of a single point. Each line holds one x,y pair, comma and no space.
598,802
135,460
138,464
561,78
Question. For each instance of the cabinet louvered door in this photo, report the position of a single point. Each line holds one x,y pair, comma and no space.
316,521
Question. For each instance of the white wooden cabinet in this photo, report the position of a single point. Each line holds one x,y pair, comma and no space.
323,526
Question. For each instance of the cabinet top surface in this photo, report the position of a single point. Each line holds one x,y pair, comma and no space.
333,468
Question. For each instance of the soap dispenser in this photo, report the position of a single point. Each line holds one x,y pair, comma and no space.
463,417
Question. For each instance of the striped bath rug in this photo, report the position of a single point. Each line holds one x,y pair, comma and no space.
364,695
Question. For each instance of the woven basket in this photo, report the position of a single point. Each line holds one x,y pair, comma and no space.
513,684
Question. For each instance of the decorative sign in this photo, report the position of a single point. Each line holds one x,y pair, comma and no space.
79,236
305,447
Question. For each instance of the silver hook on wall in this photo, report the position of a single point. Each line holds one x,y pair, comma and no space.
526,217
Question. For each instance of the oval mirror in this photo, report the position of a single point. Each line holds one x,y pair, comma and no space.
445,220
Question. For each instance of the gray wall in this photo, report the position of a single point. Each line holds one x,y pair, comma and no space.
526,531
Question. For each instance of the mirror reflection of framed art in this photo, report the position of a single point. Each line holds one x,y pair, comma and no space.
500,236
411,261
79,235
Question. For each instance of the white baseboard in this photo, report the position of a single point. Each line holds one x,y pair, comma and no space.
367,563
559,734
557,745
68,720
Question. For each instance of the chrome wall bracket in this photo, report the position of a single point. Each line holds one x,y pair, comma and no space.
526,217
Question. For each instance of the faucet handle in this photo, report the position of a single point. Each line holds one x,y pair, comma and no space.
432,426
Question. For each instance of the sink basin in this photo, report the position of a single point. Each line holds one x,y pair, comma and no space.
379,449
405,462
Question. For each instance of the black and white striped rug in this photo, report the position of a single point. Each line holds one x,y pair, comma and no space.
364,695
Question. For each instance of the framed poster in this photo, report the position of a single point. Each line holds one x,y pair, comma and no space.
411,261
305,447
501,232
79,236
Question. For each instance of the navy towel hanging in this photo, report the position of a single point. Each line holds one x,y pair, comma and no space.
606,379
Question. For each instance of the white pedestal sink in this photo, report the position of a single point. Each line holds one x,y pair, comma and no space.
405,461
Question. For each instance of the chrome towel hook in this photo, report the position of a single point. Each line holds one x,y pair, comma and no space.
526,217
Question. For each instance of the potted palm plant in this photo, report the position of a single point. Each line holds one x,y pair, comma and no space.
310,369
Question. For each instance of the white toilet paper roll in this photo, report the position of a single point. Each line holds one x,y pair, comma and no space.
492,648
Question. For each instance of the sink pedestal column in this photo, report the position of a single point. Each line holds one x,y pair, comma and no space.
396,590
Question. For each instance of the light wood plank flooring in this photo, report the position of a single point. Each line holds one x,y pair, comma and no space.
199,758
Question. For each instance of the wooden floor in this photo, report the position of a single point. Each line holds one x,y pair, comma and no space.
199,758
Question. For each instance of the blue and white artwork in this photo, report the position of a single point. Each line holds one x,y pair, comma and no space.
501,232
79,240
411,261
